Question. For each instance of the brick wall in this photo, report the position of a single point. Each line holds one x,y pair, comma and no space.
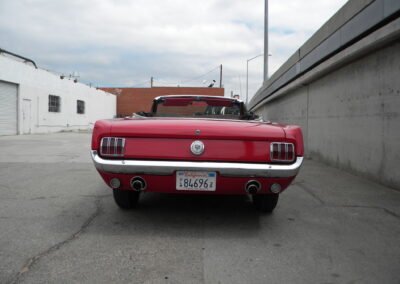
130,100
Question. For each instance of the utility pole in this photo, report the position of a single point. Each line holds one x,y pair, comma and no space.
266,42
220,76
151,82
240,82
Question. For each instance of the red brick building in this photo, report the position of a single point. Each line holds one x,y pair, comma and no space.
131,100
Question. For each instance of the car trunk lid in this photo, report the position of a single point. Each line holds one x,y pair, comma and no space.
171,139
197,128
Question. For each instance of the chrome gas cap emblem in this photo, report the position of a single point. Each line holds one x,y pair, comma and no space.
197,147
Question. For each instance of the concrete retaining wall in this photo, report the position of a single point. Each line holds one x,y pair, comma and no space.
348,106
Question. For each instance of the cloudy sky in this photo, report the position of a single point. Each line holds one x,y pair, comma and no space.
122,43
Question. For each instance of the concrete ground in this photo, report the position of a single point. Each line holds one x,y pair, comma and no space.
59,223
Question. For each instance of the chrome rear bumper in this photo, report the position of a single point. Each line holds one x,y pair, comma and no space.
169,167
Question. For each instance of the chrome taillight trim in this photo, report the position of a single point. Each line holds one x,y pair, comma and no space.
123,147
106,143
281,145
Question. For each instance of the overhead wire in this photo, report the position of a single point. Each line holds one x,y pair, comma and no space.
186,81
156,80
141,84
201,76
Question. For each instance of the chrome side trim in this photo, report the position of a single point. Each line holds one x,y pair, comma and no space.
169,167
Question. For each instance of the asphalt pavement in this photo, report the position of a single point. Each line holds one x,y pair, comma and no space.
59,224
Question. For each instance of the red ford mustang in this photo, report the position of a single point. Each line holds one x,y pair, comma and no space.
197,144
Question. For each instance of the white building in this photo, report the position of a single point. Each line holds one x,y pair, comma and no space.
36,101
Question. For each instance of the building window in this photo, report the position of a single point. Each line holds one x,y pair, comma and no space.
80,107
54,103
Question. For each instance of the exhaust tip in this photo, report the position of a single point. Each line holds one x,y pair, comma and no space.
138,184
252,187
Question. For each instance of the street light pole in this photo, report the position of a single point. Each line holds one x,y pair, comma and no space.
247,77
266,42
220,76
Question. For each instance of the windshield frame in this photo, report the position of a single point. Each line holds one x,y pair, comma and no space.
242,108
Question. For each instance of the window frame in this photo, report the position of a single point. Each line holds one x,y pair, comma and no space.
80,109
54,103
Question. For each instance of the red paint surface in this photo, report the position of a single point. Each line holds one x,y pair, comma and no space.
294,133
170,139
179,149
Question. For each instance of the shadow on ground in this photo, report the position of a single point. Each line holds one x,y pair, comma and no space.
175,215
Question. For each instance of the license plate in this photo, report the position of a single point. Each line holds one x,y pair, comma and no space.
201,181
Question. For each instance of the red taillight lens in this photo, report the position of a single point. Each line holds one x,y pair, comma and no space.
282,152
112,146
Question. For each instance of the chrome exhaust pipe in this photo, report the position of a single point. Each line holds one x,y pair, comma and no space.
252,187
138,184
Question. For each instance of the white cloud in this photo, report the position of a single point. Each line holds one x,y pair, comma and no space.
123,42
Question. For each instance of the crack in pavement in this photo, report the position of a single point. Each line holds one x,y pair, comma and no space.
322,202
33,260
387,211
95,196
310,192
5,186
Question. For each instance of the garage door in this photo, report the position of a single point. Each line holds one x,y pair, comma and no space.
8,108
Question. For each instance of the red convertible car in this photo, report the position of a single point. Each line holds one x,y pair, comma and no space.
197,144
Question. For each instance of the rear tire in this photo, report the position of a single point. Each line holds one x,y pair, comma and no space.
126,199
265,203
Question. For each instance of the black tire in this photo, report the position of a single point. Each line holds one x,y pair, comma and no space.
265,203
126,199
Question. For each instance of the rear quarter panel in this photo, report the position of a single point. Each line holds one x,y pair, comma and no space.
294,133
102,128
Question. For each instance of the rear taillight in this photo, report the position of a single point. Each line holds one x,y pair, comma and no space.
282,152
112,146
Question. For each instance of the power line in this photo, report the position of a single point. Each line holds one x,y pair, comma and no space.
186,81
164,82
198,77
141,84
